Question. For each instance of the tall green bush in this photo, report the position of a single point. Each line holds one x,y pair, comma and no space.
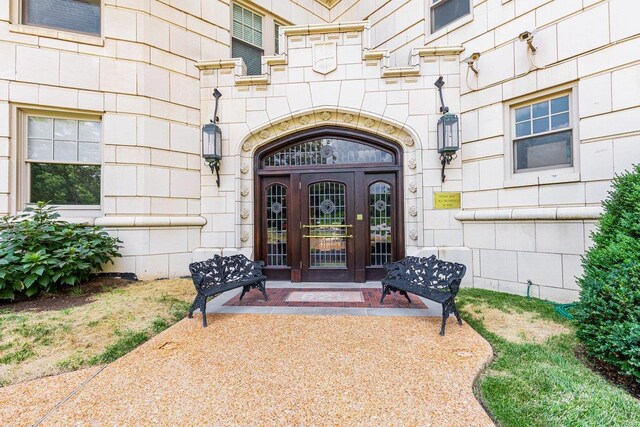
39,252
608,314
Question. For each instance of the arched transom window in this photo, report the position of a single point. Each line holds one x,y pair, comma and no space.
328,151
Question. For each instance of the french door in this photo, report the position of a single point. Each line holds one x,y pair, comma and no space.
338,226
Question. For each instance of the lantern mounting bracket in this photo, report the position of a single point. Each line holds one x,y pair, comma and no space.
439,83
445,159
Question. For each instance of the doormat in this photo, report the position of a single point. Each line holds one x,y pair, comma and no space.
281,297
324,296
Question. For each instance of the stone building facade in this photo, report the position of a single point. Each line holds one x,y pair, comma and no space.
122,103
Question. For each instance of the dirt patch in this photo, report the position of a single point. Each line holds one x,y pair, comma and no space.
517,327
67,297
609,372
52,335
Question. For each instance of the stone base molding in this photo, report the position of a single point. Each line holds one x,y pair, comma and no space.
532,214
150,221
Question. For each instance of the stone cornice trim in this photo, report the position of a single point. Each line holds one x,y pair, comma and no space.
275,59
218,63
400,72
150,221
261,79
342,27
374,55
438,51
531,214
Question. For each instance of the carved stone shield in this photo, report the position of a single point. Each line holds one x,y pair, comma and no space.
325,57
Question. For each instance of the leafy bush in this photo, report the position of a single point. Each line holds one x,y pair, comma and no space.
608,314
39,252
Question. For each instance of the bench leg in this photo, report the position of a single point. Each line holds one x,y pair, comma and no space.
446,309
203,309
245,289
455,311
385,292
263,289
196,304
406,295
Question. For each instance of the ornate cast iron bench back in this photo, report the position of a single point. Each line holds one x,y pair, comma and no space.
429,278
220,274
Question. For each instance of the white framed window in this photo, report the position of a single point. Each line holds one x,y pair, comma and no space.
445,12
62,159
276,29
78,16
246,43
542,134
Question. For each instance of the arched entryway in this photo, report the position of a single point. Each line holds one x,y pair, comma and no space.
328,205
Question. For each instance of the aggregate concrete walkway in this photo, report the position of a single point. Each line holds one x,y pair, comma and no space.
253,369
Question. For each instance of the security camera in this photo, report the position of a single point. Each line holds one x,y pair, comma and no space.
470,61
473,58
527,36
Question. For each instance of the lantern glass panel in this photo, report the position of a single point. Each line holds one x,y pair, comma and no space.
218,142
211,141
448,134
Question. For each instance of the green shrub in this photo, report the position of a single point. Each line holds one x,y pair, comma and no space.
608,314
39,252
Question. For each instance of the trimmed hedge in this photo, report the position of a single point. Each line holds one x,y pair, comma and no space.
39,252
608,314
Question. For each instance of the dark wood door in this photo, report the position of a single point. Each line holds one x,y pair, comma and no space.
276,216
330,226
327,213
381,237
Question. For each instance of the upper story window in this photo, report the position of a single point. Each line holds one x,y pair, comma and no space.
543,134
63,161
82,16
444,12
247,38
276,29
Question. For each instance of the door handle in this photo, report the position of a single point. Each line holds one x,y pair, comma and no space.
327,226
327,236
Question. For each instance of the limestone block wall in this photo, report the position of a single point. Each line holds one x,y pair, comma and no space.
139,77
396,25
363,92
587,47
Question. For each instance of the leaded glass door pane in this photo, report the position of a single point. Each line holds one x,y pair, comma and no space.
276,213
327,227
380,233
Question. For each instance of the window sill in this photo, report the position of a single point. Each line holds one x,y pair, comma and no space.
75,211
57,34
549,178
448,28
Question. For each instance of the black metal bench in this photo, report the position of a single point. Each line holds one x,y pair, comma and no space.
429,278
220,274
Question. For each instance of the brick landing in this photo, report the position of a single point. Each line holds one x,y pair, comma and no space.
277,298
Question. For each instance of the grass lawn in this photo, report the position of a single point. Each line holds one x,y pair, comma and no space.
91,325
536,378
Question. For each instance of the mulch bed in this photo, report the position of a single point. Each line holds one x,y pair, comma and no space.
628,383
66,297
277,298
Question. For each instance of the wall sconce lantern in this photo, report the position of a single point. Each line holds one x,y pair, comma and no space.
448,132
212,141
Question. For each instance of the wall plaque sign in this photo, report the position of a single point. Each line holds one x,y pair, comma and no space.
446,200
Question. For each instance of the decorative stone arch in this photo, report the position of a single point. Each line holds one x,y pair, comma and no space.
368,123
